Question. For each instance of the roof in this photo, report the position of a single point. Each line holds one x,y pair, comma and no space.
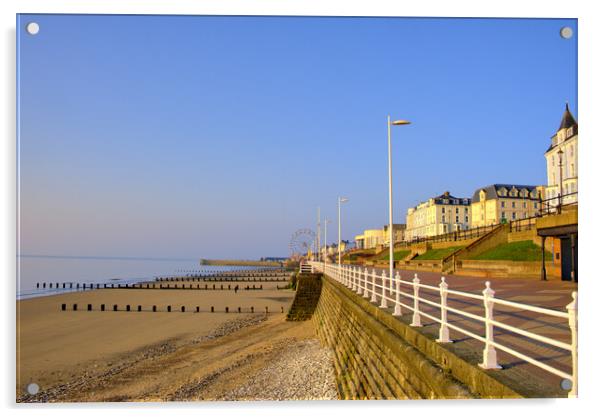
491,191
446,198
567,119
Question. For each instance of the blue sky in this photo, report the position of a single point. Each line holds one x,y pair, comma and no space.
199,136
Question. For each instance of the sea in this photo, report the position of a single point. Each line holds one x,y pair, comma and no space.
39,269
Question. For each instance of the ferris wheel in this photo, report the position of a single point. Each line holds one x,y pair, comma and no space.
301,241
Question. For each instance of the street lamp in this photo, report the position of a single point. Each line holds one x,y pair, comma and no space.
326,221
391,243
341,200
560,153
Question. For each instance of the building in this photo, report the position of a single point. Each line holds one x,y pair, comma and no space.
438,215
561,159
399,232
370,239
498,203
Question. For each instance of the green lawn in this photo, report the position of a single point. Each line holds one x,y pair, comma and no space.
524,250
397,255
437,254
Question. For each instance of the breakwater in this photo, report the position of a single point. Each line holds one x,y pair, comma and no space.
237,262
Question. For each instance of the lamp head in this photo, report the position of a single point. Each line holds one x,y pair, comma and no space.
400,122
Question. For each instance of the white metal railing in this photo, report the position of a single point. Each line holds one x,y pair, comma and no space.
364,283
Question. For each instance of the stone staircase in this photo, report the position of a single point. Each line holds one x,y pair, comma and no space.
489,240
309,288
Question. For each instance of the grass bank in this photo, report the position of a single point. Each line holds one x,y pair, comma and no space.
437,254
524,250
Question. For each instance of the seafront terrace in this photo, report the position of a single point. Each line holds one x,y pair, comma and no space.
523,332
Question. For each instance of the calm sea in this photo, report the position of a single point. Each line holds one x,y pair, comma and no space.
98,270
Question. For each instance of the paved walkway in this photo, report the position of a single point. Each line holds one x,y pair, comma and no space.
547,294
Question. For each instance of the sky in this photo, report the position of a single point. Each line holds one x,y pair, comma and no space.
219,137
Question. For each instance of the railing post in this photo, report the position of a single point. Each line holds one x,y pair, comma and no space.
365,281
572,310
397,311
443,330
383,300
347,277
416,315
359,281
352,278
373,299
489,353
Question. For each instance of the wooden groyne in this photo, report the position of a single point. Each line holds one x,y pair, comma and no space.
238,262
188,282
167,309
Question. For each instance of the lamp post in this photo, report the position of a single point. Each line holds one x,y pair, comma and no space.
341,200
326,221
318,243
391,242
560,154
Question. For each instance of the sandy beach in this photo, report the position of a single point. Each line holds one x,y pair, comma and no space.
129,356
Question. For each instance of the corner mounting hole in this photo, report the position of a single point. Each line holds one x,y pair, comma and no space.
33,388
32,28
566,32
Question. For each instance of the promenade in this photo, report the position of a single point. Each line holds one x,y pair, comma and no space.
516,373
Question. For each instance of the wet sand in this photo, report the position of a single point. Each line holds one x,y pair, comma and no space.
84,355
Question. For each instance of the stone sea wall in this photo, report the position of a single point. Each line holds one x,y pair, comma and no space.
377,356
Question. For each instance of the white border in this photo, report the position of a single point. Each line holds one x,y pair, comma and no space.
589,113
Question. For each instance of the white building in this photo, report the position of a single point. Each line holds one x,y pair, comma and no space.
437,216
561,158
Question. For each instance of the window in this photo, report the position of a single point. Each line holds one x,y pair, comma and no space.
572,170
503,204
457,219
443,210
466,218
513,204
535,205
513,215
503,214
524,204
466,210
443,219
457,209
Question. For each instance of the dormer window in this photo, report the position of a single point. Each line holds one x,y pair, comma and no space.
569,132
560,136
